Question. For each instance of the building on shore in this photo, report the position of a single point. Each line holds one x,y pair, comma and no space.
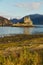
27,20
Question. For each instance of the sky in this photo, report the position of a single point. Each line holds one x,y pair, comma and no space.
20,8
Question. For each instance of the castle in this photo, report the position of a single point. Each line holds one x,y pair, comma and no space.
27,20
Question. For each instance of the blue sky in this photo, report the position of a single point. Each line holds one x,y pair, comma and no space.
20,8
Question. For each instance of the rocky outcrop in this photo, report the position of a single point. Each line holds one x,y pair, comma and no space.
5,22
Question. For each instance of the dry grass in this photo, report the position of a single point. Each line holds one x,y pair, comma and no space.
21,50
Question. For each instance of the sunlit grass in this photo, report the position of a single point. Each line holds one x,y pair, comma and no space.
22,57
21,50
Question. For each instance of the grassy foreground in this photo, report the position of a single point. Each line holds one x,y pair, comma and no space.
21,50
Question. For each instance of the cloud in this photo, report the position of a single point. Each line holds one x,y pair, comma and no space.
29,6
36,5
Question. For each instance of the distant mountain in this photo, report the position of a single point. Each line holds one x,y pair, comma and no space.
14,20
17,20
5,21
36,19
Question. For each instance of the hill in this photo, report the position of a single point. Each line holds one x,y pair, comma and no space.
5,21
36,19
17,20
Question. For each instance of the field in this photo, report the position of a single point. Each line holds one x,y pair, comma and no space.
21,50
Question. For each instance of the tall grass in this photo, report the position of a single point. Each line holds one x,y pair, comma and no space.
22,57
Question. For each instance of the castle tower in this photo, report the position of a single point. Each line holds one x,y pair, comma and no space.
27,20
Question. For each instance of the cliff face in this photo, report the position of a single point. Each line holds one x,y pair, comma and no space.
5,22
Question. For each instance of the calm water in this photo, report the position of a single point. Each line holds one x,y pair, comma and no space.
20,30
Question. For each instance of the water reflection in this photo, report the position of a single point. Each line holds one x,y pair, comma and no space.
27,30
20,30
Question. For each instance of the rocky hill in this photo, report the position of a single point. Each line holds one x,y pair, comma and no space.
5,21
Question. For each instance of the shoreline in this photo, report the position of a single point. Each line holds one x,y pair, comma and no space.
21,25
22,38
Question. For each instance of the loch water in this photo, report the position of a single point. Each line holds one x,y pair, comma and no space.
38,29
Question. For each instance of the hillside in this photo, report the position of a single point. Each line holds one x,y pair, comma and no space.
5,21
36,19
14,20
